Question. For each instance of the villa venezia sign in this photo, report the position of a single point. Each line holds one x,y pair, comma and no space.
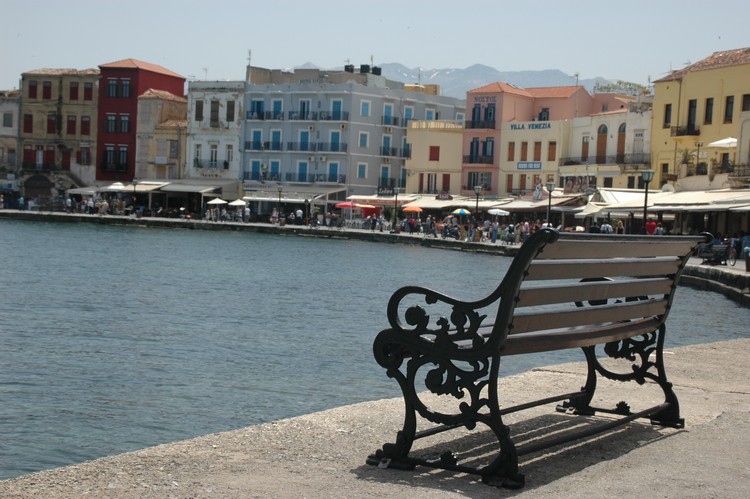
541,125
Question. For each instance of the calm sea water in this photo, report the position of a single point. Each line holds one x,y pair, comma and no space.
118,338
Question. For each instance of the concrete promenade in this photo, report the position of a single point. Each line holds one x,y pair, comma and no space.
323,454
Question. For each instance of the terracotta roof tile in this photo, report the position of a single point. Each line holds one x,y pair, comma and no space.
161,94
136,64
552,92
726,58
499,87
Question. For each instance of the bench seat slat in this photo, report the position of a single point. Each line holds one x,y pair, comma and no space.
563,338
588,291
535,319
613,248
579,269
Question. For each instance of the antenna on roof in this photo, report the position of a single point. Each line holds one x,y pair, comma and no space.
205,73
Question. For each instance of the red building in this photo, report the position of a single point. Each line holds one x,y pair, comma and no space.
120,84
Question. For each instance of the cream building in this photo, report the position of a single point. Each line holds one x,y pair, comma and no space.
434,164
160,142
695,109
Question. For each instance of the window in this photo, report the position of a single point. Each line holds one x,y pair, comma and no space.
197,157
122,157
51,123
434,153
73,93
230,111
709,117
229,157
8,120
511,151
199,110
111,123
667,116
172,149
111,87
537,151
85,125
125,88
109,156
429,114
85,157
524,150
32,89
88,91
125,123
213,155
480,178
585,147
363,139
729,109
71,127
364,108
47,90
552,151
28,123
214,118
746,102
361,170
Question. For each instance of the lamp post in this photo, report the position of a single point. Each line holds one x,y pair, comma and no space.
135,183
698,144
395,206
647,176
550,188
478,191
278,206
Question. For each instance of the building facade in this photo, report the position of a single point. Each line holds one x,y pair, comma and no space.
10,101
334,129
121,84
434,162
694,109
161,134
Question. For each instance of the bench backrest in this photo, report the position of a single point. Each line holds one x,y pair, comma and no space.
560,281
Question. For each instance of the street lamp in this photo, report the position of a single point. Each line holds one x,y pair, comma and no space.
135,183
647,176
278,207
395,206
478,191
698,144
550,188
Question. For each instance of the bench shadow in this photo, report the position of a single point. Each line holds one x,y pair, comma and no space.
540,468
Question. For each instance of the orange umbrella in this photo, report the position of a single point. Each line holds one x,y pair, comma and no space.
415,209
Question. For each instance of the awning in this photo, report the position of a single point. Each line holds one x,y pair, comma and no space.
174,187
143,187
293,194
384,200
84,191
432,203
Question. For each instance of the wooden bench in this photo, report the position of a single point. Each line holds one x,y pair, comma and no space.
562,291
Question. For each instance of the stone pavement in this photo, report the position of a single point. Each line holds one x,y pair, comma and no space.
323,454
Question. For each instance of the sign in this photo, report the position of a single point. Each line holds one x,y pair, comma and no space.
534,125
444,196
529,165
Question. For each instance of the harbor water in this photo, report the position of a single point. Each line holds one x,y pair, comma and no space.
118,338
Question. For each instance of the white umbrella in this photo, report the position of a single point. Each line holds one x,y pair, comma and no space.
237,202
217,201
117,186
498,212
728,143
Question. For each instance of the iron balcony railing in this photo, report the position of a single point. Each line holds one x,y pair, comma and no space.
478,159
487,124
681,131
616,159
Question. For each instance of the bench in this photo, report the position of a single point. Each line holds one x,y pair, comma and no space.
561,291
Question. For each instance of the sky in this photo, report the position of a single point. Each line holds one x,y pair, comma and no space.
635,41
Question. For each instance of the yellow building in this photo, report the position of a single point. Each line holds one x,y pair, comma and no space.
695,109
162,136
434,165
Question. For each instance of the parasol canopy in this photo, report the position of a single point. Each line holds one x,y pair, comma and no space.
728,143
346,204
217,201
498,212
461,211
238,202
415,209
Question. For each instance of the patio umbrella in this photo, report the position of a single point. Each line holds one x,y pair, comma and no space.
498,212
217,201
237,202
345,204
461,211
415,209
728,143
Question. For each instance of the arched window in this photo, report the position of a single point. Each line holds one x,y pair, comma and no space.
621,144
601,144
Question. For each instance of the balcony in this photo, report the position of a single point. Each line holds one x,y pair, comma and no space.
332,147
301,146
311,178
615,159
390,121
682,131
389,151
486,124
478,159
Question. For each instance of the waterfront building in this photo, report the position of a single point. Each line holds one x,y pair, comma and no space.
162,130
332,134
695,109
121,84
434,162
9,107
58,131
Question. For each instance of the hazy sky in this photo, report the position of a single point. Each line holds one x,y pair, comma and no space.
631,40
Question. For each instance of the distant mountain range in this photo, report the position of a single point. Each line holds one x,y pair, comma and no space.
456,82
